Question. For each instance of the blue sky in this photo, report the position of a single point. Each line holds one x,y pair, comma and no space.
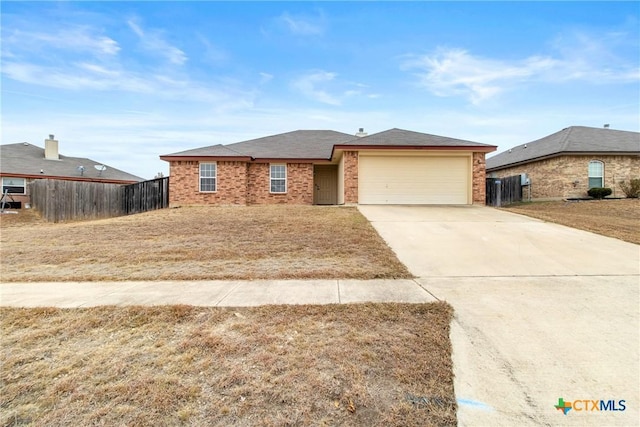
124,82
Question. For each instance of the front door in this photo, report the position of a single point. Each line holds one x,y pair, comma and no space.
325,185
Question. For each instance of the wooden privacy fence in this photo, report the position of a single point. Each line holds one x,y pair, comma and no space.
146,196
60,200
503,191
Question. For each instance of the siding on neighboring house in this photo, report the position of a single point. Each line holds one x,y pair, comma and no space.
568,177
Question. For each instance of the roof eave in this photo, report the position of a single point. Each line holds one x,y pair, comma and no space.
475,148
172,158
70,178
565,153
291,160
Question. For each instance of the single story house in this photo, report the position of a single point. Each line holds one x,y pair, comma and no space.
22,163
326,167
568,163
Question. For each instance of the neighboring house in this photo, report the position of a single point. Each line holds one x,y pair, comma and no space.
325,167
570,162
23,163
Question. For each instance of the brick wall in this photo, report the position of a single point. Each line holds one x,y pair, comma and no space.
239,183
478,179
568,176
184,184
299,185
350,177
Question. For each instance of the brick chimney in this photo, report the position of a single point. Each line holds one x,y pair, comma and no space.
361,133
51,149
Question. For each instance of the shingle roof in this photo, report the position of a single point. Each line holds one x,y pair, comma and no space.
27,159
319,144
218,150
401,137
299,144
574,139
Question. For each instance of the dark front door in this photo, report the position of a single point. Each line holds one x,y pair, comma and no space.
325,184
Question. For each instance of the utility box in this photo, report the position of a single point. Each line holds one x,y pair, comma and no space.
524,179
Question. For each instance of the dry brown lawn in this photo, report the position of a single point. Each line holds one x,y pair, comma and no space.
613,218
198,243
352,365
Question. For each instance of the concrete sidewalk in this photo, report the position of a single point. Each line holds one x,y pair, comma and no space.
211,293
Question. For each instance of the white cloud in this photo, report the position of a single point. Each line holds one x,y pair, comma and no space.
212,54
98,69
310,85
73,38
456,72
81,76
155,43
265,78
303,25
76,77
575,56
324,87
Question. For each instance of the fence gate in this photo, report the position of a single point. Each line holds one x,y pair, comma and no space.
503,191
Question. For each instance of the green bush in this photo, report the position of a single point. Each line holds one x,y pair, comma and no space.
599,192
632,189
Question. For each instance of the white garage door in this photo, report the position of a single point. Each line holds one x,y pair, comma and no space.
413,180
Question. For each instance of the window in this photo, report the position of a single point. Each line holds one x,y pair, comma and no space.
208,177
13,185
278,177
596,174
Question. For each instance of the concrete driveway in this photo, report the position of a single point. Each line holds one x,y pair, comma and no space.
543,312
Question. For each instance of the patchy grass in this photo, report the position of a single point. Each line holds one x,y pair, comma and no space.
199,243
368,364
612,218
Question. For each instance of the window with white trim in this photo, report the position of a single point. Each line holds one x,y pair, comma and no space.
278,178
596,174
14,185
208,177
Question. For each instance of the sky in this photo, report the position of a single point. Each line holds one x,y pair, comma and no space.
122,83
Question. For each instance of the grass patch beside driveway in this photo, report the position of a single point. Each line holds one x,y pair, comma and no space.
613,218
365,364
199,243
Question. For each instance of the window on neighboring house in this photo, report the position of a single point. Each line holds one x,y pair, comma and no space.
278,177
208,177
596,174
14,185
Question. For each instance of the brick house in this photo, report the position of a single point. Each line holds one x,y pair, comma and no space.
568,163
325,167
22,163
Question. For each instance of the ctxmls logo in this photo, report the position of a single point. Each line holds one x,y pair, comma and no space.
590,405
